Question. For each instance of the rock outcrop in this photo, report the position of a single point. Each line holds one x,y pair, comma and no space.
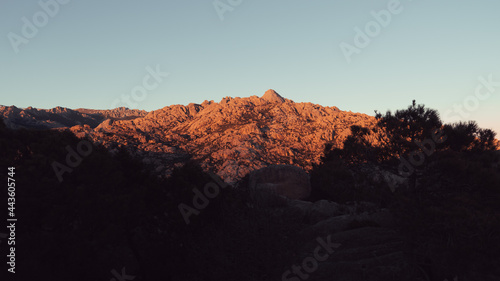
289,181
272,96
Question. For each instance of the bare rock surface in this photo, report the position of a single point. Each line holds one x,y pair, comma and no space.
272,96
232,137
61,117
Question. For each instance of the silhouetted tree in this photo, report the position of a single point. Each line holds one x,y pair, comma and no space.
412,134
357,148
467,136
458,187
406,127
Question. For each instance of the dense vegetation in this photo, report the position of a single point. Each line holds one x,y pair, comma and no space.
447,202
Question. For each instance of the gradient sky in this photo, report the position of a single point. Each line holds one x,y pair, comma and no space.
91,53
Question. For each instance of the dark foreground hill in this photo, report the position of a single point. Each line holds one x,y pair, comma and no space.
106,217
86,213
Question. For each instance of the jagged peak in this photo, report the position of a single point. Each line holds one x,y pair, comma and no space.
272,96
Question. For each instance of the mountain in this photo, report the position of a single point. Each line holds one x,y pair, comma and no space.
61,117
232,137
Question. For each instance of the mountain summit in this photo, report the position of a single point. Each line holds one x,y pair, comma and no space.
272,96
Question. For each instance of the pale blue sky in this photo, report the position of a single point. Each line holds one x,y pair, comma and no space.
90,53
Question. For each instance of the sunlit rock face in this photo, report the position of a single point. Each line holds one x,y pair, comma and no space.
289,181
61,117
232,137
272,96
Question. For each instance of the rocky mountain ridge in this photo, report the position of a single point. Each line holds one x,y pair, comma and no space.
232,137
61,117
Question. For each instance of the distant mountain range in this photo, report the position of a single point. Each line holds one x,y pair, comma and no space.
61,117
232,137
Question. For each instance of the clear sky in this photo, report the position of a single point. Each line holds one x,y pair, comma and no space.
93,53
